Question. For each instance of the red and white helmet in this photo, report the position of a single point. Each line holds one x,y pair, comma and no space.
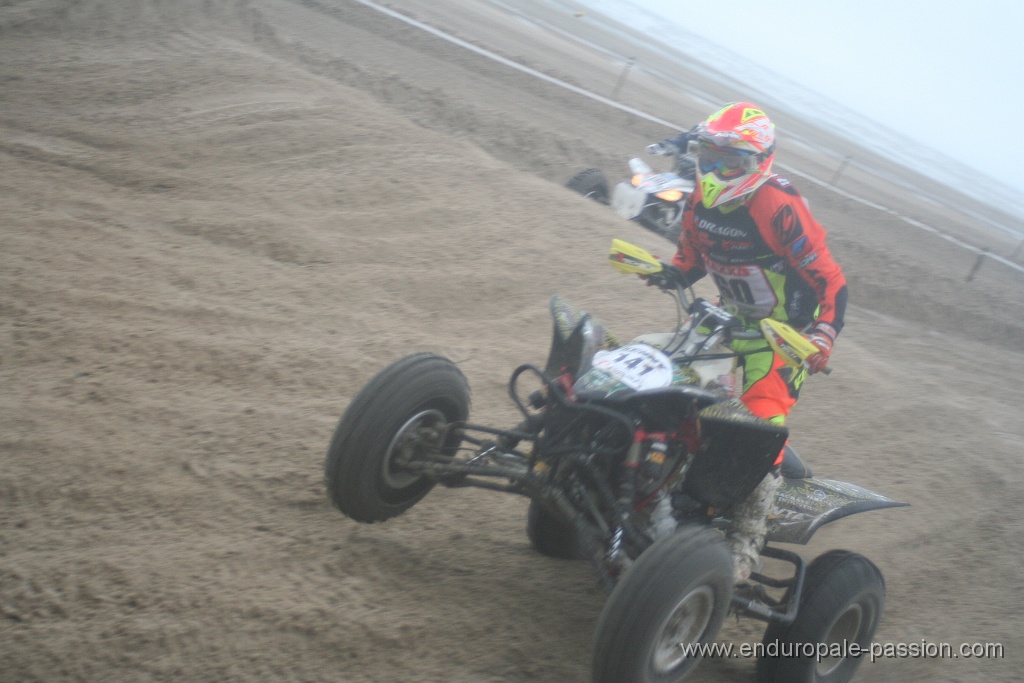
735,148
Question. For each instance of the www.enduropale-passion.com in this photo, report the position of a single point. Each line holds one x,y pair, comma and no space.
842,649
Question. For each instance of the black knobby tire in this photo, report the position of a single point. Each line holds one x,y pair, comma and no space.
591,183
677,593
843,597
408,405
552,536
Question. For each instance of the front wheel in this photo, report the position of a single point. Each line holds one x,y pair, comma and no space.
669,604
404,413
841,605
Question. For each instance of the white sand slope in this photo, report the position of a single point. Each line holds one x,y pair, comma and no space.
221,217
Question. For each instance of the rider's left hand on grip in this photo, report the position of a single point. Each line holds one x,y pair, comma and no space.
818,362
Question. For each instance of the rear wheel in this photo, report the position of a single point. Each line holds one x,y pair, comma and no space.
591,183
551,535
673,599
402,414
841,604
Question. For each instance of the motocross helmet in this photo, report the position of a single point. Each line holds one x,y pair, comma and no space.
734,149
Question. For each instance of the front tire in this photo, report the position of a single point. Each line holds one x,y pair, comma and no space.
843,597
591,183
675,596
404,412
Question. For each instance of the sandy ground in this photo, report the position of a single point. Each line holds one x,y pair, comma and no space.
221,217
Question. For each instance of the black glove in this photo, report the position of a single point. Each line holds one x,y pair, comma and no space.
669,277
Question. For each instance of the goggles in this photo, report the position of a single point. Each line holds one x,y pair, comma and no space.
725,162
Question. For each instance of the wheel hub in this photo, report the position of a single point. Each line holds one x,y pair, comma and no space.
845,628
422,433
684,626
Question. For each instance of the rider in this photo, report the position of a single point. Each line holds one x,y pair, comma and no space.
754,234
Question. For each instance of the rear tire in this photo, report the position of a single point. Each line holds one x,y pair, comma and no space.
405,411
676,594
552,536
591,183
843,597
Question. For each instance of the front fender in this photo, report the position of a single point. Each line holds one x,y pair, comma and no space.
576,338
805,505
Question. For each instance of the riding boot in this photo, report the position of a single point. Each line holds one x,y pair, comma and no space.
749,526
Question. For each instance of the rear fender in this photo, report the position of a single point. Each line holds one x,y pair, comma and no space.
805,505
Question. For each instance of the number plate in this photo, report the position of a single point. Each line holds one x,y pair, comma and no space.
638,366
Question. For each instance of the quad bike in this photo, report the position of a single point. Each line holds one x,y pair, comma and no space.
633,456
653,199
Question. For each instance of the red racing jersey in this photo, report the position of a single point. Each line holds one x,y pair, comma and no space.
767,256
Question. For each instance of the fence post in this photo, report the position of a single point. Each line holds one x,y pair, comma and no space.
622,77
839,171
977,264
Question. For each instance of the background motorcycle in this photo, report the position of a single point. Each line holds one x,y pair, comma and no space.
653,199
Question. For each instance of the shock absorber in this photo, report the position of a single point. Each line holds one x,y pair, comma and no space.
654,462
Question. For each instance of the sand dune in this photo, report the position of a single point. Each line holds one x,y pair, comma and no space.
221,218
